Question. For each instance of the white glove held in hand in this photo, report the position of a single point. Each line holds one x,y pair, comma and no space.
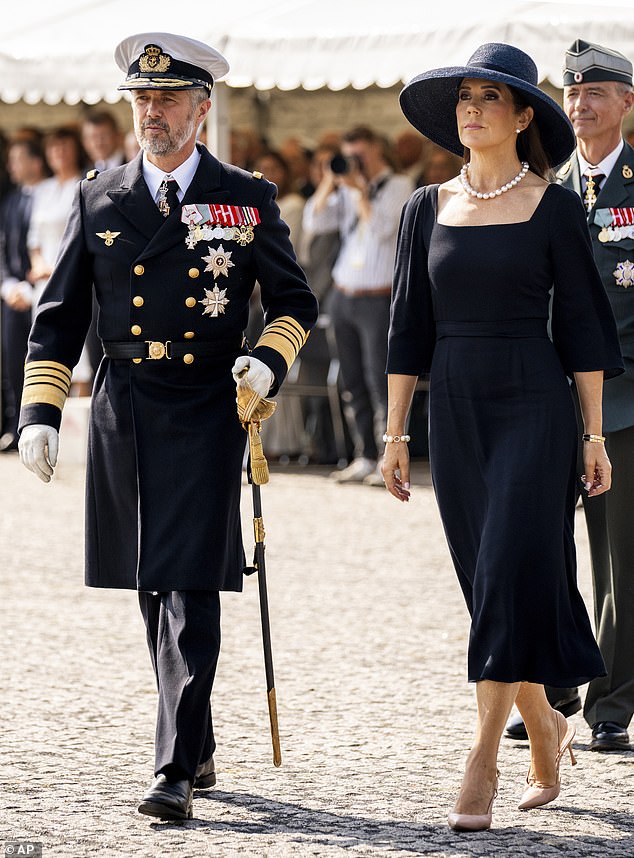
38,448
258,375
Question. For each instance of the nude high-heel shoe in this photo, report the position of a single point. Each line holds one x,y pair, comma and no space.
474,821
538,794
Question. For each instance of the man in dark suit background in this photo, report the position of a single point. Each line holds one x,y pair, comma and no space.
597,98
27,167
173,243
102,140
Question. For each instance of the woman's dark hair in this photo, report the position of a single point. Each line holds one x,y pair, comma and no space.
69,132
529,142
283,164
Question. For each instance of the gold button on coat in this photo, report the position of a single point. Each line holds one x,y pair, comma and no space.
136,330
137,360
188,358
194,273
139,270
190,302
138,301
189,335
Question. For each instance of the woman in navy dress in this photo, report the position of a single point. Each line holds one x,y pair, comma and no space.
482,262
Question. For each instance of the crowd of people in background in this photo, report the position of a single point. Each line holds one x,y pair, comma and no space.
341,197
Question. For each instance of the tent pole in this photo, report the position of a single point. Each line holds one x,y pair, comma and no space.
218,123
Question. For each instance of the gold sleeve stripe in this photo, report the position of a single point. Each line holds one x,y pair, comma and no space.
46,383
41,374
48,365
285,336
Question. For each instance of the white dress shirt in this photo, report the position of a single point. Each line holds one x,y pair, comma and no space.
183,174
603,168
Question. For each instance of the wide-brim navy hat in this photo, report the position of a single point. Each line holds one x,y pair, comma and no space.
429,100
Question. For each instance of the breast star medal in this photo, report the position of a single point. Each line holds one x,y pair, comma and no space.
624,274
214,302
219,261
108,237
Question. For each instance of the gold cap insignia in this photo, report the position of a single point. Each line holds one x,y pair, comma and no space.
153,60
627,171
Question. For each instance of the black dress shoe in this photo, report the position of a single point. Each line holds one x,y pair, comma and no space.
168,799
609,736
516,729
205,774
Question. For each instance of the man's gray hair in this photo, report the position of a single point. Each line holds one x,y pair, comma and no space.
198,95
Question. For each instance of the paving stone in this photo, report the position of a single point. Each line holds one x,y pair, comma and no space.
376,717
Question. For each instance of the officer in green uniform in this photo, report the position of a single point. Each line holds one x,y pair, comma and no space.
597,98
173,243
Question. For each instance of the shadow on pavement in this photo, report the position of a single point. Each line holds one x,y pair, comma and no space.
321,828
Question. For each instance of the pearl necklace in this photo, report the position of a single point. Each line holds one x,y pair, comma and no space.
464,181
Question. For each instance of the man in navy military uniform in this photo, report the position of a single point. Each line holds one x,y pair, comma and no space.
173,243
597,98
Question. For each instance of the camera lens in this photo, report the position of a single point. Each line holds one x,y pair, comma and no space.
339,165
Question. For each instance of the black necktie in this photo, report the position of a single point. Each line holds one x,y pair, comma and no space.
593,185
168,196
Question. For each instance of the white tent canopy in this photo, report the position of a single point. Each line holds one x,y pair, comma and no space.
54,50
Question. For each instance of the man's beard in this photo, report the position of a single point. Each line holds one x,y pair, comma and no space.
166,144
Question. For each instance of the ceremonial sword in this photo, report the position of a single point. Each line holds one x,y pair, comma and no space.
252,409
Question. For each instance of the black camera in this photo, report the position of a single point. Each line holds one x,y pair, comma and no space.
340,165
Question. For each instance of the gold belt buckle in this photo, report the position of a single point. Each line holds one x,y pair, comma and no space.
157,350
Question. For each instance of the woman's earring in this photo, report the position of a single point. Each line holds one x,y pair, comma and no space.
518,130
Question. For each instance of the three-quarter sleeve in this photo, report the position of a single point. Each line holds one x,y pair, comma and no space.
583,327
412,334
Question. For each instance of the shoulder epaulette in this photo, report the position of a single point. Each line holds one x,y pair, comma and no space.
92,174
564,169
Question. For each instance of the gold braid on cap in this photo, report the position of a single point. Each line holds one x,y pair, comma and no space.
46,382
252,409
285,336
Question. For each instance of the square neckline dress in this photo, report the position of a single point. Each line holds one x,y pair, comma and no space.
471,307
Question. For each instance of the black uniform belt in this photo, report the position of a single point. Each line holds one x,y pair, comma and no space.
499,328
157,350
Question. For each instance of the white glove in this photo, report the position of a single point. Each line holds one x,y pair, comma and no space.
38,448
258,376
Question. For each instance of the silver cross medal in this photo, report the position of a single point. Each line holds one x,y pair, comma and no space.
215,302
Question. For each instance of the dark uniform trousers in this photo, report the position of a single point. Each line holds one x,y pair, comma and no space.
610,523
183,635
610,517
361,325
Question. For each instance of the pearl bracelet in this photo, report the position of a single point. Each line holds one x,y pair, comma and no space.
394,439
596,439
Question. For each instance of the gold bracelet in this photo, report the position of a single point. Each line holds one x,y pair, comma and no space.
595,439
394,439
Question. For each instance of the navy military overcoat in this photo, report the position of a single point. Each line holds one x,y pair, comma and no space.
615,261
165,446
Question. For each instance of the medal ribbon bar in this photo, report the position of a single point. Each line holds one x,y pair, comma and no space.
622,217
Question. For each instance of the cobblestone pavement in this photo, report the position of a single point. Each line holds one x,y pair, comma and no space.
369,634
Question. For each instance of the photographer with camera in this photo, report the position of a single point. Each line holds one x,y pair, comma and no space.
361,197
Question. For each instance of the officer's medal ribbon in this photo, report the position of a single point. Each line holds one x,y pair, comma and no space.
616,224
206,222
